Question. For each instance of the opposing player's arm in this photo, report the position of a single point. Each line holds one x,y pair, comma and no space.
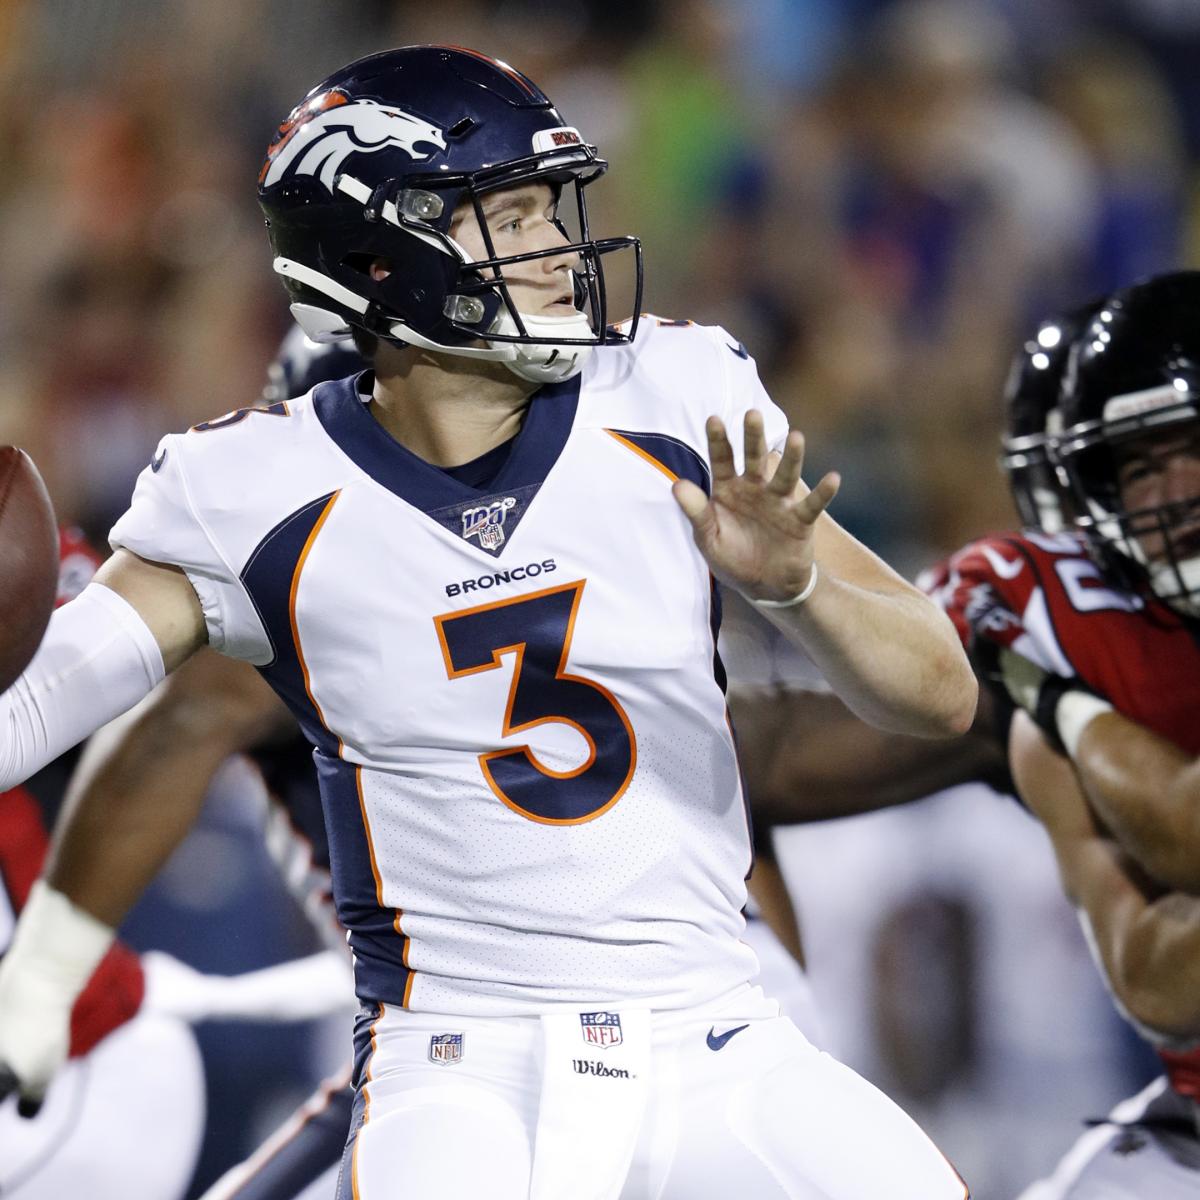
1148,938
138,789
887,650
141,781
1147,791
807,757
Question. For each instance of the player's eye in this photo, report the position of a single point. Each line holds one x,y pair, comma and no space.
1136,472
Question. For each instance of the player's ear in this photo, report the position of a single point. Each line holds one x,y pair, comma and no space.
381,268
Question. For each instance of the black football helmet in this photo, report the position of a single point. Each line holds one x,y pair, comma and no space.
1039,489
374,162
1133,380
300,364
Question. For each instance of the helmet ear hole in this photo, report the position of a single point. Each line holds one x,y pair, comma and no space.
361,263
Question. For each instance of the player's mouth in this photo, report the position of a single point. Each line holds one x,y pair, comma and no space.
1185,543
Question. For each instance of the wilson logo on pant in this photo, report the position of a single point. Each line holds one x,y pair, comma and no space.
583,1067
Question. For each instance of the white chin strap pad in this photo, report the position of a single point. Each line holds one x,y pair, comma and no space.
546,362
1165,581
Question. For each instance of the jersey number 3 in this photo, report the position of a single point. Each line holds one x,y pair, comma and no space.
537,628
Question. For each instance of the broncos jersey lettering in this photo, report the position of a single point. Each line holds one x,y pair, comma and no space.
530,790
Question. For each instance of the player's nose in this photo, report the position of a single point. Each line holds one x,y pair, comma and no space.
555,238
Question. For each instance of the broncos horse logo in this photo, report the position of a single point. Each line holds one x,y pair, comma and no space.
323,132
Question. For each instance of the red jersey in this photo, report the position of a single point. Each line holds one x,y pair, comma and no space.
115,991
1044,597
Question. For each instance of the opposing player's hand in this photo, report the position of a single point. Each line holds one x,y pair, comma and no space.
756,529
1039,692
35,1034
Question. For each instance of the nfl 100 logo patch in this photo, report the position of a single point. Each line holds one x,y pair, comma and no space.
487,522
446,1048
601,1029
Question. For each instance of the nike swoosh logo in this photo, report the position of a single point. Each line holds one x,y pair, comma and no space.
1001,565
739,350
158,460
718,1043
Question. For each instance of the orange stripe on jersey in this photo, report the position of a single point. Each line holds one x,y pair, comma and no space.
366,1109
308,545
643,454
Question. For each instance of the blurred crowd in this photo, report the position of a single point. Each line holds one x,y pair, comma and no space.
878,197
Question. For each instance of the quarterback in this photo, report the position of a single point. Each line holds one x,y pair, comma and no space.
481,576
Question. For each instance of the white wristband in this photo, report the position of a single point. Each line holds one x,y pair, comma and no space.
58,940
799,598
1074,712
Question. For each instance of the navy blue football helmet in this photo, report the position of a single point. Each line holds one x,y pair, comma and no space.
374,162
1132,386
300,364
1039,489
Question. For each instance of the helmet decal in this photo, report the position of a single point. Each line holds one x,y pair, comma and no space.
324,131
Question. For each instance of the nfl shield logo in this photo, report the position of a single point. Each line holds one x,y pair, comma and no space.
446,1048
602,1029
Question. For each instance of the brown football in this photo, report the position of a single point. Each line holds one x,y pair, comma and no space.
28,562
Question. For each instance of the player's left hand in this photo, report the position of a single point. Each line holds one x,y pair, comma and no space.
756,529
1038,691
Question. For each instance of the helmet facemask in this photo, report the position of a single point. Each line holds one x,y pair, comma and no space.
478,305
1156,545
1038,490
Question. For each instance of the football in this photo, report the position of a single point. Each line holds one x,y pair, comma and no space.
28,562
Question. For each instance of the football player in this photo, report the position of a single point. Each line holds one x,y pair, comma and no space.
1097,646
150,770
483,584
1095,635
105,1103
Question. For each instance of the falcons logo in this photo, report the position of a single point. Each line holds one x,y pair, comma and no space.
324,131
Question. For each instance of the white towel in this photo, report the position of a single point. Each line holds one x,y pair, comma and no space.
595,1080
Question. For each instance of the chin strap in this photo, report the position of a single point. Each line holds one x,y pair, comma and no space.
546,362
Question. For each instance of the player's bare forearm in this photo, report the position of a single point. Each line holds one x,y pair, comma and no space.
886,650
1147,791
142,780
807,757
1147,937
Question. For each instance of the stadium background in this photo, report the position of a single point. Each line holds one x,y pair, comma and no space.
876,197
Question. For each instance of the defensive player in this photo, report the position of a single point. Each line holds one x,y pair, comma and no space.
104,1103
530,788
1099,647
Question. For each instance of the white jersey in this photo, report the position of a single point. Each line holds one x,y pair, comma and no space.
529,780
